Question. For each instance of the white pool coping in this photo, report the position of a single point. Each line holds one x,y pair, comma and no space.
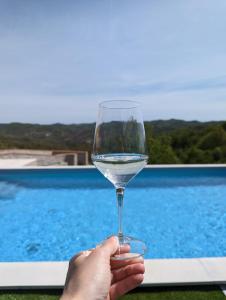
159,272
14,166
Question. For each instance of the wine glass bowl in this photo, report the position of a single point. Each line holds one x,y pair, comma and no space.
119,153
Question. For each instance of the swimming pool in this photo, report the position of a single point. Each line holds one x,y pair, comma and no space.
49,214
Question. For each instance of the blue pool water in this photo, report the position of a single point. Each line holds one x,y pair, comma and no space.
51,214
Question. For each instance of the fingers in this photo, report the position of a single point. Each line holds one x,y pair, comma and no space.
125,285
79,257
110,246
116,264
122,273
125,248
82,253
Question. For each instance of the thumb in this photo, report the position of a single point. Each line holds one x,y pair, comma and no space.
110,246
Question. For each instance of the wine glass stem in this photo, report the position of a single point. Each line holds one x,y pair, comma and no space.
120,196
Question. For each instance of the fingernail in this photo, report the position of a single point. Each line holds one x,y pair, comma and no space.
116,239
112,237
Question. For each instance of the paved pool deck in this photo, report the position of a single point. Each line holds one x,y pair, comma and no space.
16,162
159,272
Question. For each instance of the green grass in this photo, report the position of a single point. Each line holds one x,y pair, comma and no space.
30,295
176,293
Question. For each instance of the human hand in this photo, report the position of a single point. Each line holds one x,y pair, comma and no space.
92,275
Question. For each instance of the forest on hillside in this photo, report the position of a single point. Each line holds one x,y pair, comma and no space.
168,141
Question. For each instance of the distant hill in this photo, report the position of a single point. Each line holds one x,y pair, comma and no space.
166,126
169,141
55,136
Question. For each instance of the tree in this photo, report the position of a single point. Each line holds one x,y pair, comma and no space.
215,138
161,152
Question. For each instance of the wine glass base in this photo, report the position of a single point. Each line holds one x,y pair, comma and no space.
129,248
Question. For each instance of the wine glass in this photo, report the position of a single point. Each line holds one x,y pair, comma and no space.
119,153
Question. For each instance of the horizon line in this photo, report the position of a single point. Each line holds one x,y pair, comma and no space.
93,122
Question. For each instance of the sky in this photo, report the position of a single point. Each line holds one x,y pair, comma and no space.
59,59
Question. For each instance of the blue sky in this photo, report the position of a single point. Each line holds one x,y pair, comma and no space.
58,59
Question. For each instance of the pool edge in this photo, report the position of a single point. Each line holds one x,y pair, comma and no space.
159,272
169,166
